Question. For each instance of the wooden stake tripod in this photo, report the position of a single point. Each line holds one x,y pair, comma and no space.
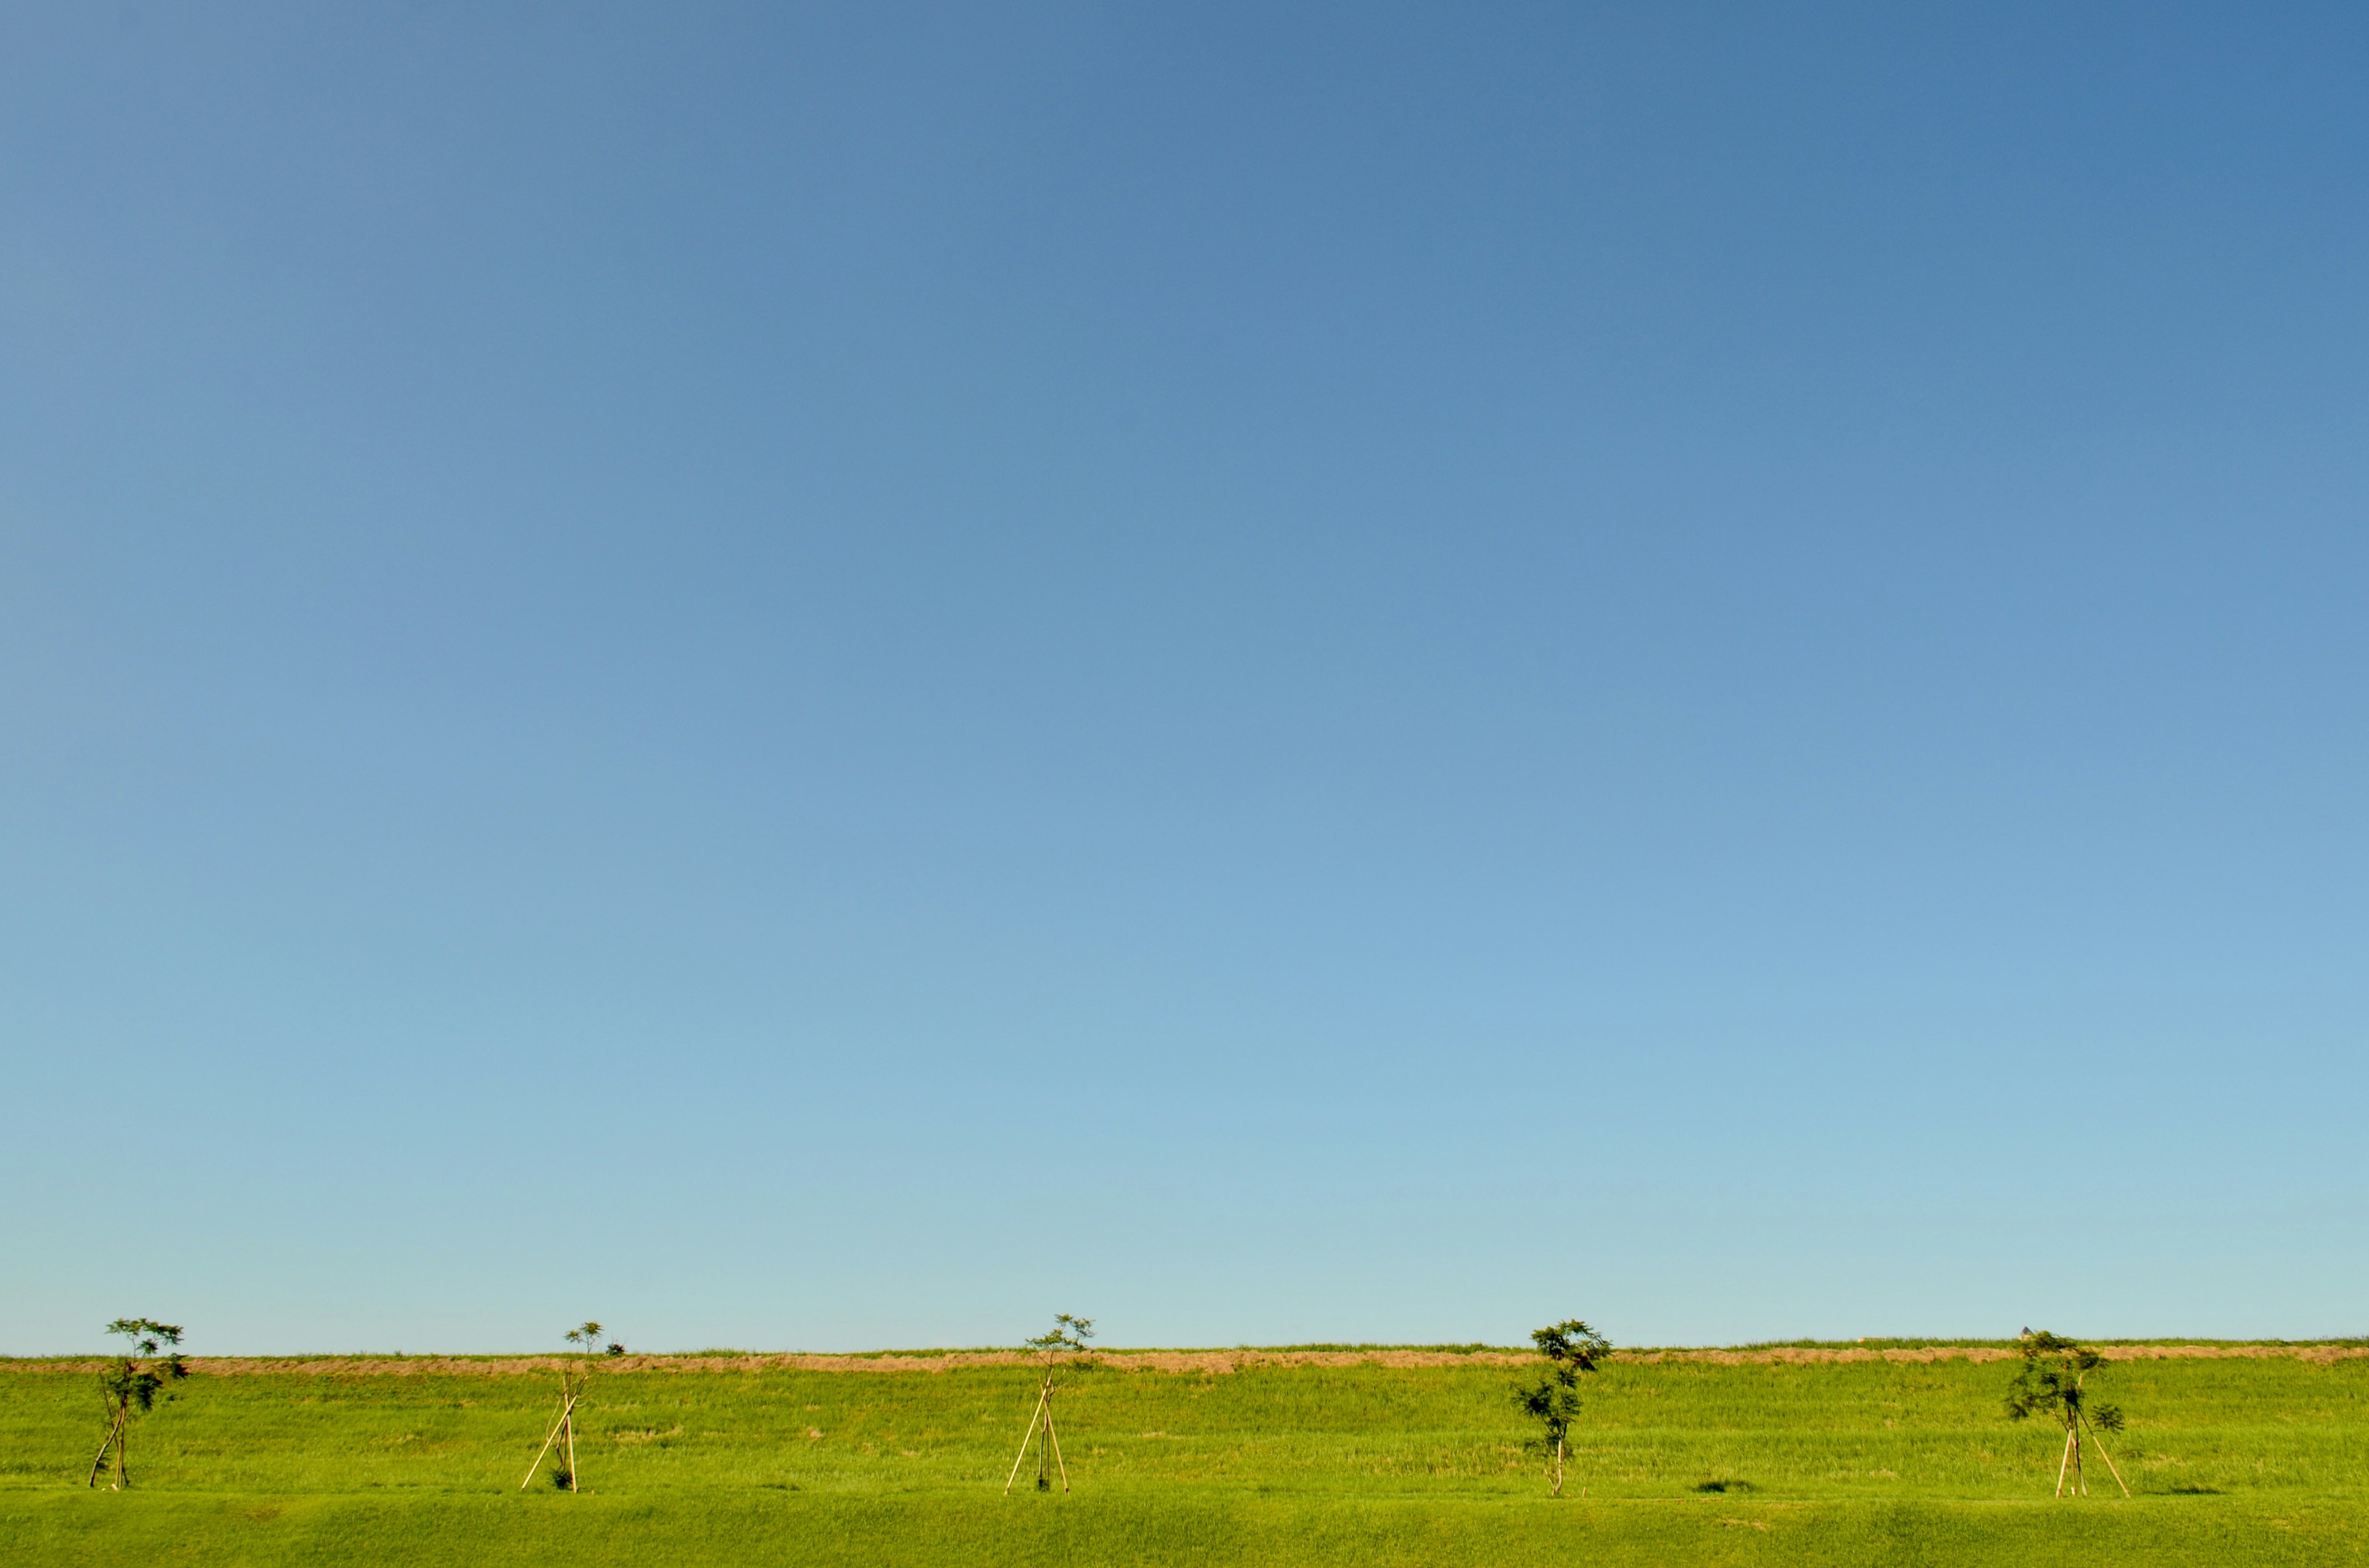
114,1439
2074,1421
562,1431
1043,1413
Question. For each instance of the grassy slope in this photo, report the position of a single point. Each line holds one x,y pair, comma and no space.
2235,1461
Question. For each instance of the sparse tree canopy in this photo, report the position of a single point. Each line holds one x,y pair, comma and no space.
1068,1333
130,1386
2051,1379
1571,1348
2051,1383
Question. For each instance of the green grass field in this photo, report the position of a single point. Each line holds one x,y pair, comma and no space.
2234,1461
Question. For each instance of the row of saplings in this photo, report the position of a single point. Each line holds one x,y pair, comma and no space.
2049,1383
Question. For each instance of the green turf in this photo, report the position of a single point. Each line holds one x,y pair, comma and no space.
2234,1461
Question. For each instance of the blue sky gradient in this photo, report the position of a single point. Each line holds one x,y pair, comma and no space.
838,676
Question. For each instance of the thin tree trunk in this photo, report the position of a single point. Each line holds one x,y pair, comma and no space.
583,1387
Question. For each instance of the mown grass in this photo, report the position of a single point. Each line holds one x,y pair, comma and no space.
2235,1461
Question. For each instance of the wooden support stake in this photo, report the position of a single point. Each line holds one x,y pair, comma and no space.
2108,1458
564,1409
98,1462
1042,1395
1056,1439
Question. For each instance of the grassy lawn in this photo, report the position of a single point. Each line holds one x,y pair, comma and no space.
2234,1460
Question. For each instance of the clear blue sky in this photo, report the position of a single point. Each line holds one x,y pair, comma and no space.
838,676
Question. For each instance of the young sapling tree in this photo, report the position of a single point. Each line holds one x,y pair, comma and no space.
129,1385
1571,1348
575,1378
1067,1337
2049,1383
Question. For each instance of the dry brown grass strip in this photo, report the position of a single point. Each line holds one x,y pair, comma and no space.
1824,1355
1205,1361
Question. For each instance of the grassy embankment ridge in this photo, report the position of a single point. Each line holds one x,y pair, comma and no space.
1875,1451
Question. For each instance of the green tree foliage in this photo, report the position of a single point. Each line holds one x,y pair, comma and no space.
1069,1336
2051,1382
1572,1349
130,1386
586,1337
